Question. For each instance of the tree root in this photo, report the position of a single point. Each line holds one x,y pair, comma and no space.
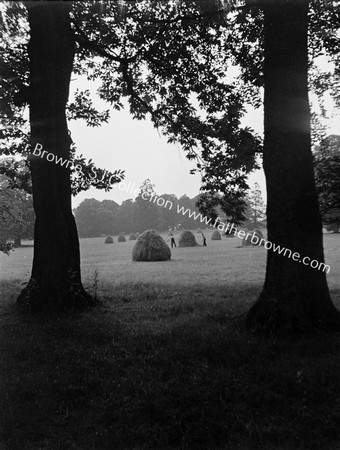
71,296
278,317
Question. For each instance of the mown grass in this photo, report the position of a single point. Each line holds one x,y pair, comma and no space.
163,366
163,362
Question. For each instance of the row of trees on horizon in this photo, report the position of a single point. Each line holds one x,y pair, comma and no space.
95,218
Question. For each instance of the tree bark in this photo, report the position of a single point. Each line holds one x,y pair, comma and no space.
56,279
295,297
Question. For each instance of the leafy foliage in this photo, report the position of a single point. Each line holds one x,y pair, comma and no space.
96,218
327,175
16,216
146,211
86,174
191,66
14,134
82,108
172,63
16,173
243,42
256,211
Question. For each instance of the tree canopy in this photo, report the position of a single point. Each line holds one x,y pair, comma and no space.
151,54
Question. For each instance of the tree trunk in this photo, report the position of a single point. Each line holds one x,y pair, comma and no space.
295,297
55,280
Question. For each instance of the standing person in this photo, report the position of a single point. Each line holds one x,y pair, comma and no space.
204,240
172,240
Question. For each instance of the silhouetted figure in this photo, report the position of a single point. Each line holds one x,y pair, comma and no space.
172,240
204,240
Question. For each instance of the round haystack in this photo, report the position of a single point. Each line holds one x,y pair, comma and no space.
259,232
246,231
187,239
250,238
121,238
132,237
216,236
150,246
137,235
109,240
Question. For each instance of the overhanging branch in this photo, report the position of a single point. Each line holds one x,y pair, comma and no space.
86,43
208,14
155,114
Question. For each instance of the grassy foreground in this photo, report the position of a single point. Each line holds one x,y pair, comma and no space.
163,362
151,368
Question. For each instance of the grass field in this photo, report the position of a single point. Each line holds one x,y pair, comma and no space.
163,362
222,262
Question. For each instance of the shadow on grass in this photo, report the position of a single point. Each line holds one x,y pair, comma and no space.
164,367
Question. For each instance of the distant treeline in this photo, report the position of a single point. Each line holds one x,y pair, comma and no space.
95,218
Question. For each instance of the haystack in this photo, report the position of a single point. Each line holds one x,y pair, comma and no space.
259,232
216,236
109,240
150,246
121,238
137,235
187,239
247,240
132,237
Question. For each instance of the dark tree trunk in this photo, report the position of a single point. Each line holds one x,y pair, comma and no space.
295,297
55,280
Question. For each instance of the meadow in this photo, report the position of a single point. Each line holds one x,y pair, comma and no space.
163,361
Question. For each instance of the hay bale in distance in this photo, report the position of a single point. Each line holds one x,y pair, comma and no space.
150,246
259,232
109,240
216,236
187,239
137,235
121,238
132,237
247,240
